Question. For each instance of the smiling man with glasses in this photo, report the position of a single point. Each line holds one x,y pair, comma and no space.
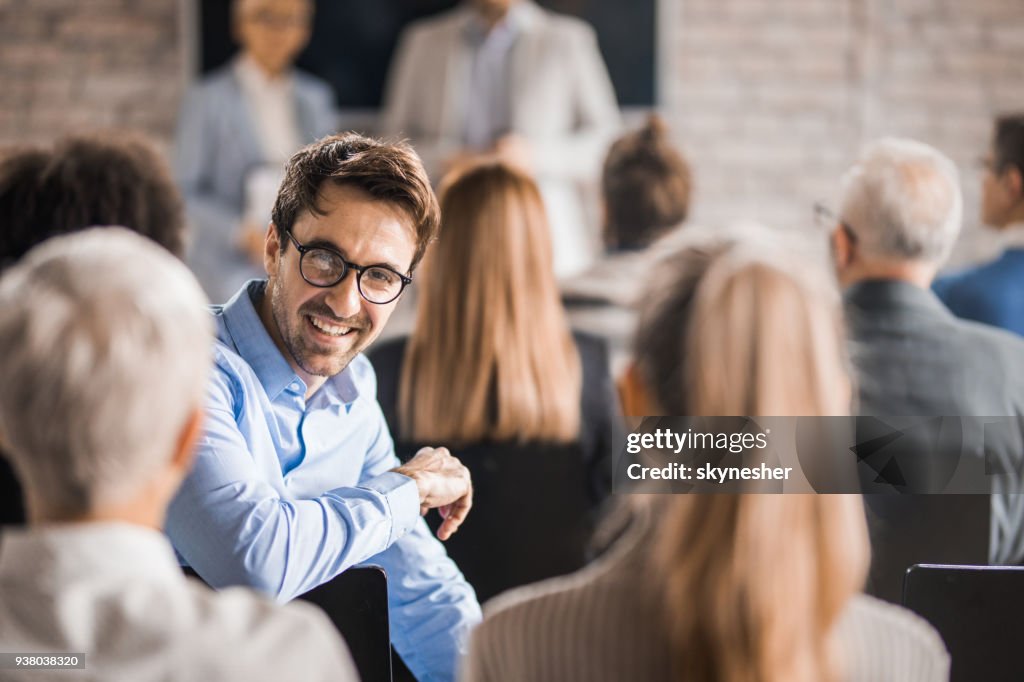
296,478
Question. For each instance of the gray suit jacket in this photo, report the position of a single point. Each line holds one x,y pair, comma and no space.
563,105
562,98
216,147
915,358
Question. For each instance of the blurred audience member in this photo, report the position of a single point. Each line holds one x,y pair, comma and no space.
238,127
492,361
82,181
85,181
994,293
101,450
646,193
722,587
507,77
900,216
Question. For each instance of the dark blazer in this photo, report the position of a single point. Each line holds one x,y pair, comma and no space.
915,358
535,504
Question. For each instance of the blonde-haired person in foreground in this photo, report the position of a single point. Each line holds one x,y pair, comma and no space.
722,588
492,359
107,349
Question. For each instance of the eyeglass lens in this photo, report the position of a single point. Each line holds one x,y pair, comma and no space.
324,268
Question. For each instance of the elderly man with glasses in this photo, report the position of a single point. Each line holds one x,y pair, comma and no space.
898,220
296,478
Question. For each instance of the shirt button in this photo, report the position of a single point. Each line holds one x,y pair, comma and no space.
296,387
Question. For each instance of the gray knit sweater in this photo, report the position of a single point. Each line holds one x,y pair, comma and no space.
596,626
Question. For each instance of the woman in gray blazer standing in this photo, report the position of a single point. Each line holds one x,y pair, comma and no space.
238,127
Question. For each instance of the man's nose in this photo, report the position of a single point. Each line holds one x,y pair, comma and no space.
343,298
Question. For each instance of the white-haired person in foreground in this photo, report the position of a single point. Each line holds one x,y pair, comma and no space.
106,353
722,587
898,220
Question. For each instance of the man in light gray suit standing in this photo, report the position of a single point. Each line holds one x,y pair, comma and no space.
238,127
507,77
899,218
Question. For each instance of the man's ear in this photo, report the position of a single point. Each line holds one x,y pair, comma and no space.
842,247
271,251
1014,181
185,448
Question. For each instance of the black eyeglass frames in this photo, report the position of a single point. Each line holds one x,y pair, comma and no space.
324,267
826,219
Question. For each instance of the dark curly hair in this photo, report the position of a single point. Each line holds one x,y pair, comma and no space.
85,181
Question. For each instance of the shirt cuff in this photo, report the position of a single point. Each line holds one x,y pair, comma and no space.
403,498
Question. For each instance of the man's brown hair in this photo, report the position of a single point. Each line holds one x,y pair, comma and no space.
388,171
646,186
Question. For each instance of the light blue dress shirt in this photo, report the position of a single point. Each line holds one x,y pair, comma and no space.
286,493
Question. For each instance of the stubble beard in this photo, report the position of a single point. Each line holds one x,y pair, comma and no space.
313,361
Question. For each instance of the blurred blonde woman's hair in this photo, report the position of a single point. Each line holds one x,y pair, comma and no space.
753,584
491,357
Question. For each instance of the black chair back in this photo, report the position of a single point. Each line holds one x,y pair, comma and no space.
12,504
356,601
923,529
977,610
906,529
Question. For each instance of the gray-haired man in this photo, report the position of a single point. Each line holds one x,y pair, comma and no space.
899,218
107,349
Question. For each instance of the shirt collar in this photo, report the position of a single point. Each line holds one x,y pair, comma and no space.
1014,236
255,79
108,549
257,348
872,294
518,18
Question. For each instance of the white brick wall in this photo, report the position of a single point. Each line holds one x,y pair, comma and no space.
68,65
770,98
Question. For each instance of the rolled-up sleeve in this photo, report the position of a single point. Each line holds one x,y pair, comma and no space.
234,528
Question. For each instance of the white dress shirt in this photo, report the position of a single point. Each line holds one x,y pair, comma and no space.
1013,236
271,103
488,97
114,592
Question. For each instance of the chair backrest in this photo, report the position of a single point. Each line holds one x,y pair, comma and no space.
977,610
923,529
12,503
356,601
